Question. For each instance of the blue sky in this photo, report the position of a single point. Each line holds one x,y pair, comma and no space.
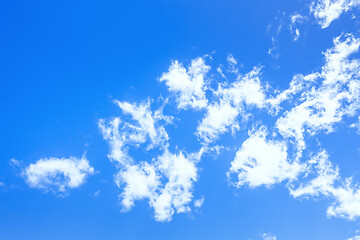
180,120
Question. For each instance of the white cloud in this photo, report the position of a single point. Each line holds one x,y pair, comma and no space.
294,21
274,51
96,194
298,84
141,181
296,18
326,176
323,99
232,64
167,183
338,68
223,114
356,237
218,118
268,236
263,162
274,29
335,92
246,89
189,85
356,125
199,202
117,140
167,180
15,162
326,11
181,173
328,183
58,174
231,60
145,125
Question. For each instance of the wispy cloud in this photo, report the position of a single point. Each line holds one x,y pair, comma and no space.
325,104
327,182
294,29
268,236
199,202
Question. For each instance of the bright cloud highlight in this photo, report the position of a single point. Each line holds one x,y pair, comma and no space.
58,174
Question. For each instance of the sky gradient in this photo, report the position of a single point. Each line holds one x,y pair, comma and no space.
180,120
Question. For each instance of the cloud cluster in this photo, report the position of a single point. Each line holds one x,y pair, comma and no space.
326,96
167,183
322,99
326,11
229,103
165,180
312,104
328,182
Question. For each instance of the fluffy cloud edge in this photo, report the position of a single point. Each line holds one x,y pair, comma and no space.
326,11
58,174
